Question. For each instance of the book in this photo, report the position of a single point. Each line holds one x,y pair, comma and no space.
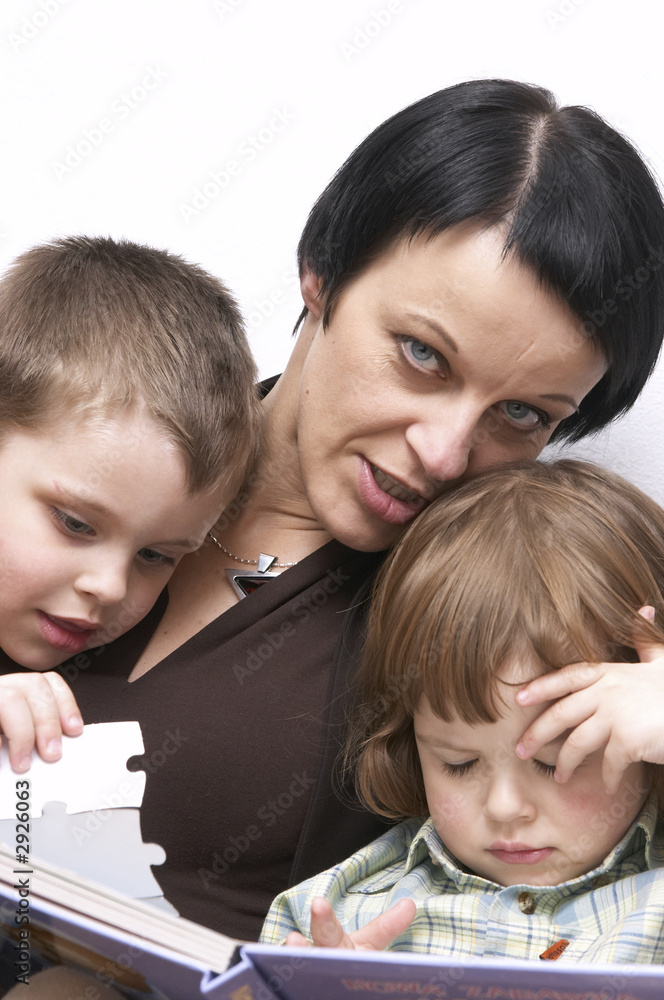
51,916
326,974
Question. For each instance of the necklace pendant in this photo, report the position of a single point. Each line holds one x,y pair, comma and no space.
246,581
265,562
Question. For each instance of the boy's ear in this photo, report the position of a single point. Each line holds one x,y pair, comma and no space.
310,286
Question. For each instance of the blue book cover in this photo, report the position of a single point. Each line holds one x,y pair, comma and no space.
326,974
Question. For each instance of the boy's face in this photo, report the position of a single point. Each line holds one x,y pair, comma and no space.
94,516
506,819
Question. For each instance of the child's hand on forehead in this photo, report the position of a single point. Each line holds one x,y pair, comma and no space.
378,934
618,706
35,710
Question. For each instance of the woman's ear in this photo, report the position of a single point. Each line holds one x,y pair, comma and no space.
310,286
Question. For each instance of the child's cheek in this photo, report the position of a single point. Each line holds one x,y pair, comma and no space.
584,802
451,813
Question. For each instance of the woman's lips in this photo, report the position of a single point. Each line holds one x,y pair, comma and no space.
380,503
67,635
519,854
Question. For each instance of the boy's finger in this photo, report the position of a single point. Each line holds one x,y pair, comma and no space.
381,932
46,721
17,726
70,716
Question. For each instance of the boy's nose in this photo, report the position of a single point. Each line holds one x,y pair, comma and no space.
106,584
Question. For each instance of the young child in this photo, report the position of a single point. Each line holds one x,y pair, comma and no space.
542,837
128,421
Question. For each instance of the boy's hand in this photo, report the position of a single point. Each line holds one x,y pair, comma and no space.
618,706
35,710
327,932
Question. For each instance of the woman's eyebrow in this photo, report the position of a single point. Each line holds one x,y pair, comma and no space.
433,325
560,398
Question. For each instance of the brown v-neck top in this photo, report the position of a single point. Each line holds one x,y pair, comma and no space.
242,725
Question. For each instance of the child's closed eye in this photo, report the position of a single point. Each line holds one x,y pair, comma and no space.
546,769
457,770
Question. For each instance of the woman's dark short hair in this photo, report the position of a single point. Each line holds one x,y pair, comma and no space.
580,206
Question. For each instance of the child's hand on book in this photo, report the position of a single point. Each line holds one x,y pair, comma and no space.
618,706
327,932
35,710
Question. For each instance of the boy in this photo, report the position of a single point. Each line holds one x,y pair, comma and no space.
128,419
518,572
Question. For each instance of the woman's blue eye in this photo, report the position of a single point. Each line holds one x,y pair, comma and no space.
154,558
524,415
421,352
421,355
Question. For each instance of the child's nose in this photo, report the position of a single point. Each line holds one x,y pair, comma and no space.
106,583
509,798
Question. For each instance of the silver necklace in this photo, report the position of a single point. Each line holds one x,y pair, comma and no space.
245,582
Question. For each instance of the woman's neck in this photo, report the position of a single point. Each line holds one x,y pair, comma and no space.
272,514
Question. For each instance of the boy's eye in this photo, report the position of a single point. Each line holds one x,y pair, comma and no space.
457,770
545,769
526,417
71,524
154,558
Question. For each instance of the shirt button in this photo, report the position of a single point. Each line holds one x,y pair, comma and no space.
526,902
601,880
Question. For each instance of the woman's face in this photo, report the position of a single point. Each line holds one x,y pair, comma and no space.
441,359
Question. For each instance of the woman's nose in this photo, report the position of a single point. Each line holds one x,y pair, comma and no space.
444,445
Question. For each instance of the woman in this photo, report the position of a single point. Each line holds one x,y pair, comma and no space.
461,279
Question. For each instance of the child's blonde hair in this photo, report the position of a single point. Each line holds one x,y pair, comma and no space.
94,323
546,561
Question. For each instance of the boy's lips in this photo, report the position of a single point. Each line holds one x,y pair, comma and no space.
386,497
514,853
70,635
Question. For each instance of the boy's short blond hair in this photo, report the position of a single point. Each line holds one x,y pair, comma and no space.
99,324
550,562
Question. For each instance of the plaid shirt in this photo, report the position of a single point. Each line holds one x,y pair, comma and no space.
614,913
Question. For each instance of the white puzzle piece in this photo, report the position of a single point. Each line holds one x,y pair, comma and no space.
104,846
84,810
91,774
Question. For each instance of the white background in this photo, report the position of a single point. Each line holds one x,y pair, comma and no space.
115,112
